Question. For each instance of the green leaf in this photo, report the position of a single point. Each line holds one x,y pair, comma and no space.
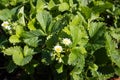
83,50
12,50
115,33
13,2
46,57
78,31
101,57
51,4
33,41
14,39
57,26
30,68
28,51
20,60
33,33
19,30
40,5
79,35
75,32
5,2
75,56
83,2
86,11
17,55
44,18
78,61
21,16
5,14
110,45
32,9
71,3
31,25
11,67
117,70
63,7
111,50
94,67
75,21
75,76
59,68
72,58
101,6
94,28
51,41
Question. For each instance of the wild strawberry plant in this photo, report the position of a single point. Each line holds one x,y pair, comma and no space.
76,39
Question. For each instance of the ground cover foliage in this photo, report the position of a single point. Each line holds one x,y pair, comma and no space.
60,39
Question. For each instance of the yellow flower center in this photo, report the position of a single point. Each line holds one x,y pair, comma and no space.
5,24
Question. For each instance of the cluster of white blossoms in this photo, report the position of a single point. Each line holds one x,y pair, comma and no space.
58,49
6,25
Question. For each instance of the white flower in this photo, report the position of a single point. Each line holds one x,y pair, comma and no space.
66,41
58,48
6,25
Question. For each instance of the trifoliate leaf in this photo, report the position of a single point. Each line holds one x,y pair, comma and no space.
20,60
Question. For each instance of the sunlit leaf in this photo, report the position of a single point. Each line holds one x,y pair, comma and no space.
31,25
21,16
14,39
19,30
51,4
40,5
5,14
94,28
12,50
112,52
28,51
33,41
21,60
44,18
63,7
